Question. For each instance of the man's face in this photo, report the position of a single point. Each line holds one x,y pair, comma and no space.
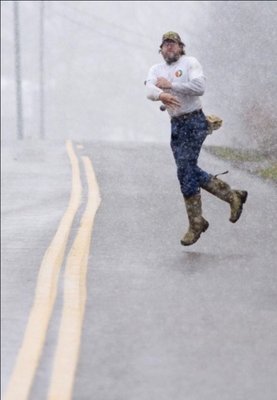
170,51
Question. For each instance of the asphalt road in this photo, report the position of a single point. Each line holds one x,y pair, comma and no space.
162,321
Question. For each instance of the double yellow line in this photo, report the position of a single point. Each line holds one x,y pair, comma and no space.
66,356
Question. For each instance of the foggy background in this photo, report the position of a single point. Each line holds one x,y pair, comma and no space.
97,56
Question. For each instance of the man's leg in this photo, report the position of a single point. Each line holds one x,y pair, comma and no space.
221,189
186,147
197,223
196,176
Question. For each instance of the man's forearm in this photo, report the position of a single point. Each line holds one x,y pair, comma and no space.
152,91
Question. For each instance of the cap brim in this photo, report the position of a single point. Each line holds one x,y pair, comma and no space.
176,41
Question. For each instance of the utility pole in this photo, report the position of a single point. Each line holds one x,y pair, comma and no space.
41,69
18,72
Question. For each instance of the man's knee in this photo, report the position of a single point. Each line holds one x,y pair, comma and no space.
190,189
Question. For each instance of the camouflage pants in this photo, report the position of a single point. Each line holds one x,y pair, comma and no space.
187,137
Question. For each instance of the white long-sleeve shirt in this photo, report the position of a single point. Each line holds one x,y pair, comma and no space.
188,83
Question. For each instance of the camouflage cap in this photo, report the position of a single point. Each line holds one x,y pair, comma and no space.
171,36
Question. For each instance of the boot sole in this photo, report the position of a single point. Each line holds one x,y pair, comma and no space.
197,237
243,198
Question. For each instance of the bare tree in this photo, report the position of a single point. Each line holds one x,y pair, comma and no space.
241,56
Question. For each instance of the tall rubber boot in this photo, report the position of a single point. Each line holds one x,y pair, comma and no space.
236,198
197,224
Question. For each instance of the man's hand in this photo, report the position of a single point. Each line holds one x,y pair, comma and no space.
169,100
163,83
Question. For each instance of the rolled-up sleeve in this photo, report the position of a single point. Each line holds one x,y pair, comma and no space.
152,91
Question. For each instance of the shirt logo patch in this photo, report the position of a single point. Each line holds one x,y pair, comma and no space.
179,73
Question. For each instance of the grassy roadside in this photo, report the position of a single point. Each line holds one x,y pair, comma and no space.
253,161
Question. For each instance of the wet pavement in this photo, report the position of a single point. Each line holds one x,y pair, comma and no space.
162,321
